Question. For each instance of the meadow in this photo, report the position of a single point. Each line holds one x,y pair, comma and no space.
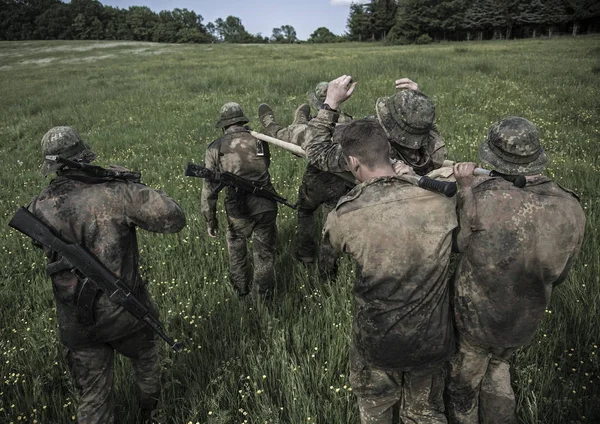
152,108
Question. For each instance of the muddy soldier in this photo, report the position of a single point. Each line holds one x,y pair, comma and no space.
517,245
408,118
102,214
318,188
247,215
403,332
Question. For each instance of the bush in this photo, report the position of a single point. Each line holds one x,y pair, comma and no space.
423,39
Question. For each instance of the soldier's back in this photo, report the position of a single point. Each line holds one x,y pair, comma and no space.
523,242
400,236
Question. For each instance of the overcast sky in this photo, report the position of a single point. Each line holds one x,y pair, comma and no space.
260,15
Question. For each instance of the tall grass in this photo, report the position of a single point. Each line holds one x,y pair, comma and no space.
153,107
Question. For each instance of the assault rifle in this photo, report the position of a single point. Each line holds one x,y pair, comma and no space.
91,268
227,179
96,171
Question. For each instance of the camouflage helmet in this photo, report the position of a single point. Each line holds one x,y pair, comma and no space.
407,117
512,146
316,97
231,113
66,143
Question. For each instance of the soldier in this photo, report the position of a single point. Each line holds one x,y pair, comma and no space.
102,214
403,331
318,188
408,118
509,265
247,215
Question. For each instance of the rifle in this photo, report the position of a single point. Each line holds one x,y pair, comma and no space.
96,171
447,188
227,179
91,268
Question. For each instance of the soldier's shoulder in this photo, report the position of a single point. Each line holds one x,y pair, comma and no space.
375,191
347,202
568,191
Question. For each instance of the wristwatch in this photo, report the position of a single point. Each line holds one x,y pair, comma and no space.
325,106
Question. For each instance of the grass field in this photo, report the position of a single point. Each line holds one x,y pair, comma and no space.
152,108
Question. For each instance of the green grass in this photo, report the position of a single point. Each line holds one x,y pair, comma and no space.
153,107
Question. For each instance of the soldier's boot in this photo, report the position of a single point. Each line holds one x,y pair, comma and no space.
305,243
266,115
301,114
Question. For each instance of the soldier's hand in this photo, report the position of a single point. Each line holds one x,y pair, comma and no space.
405,83
463,172
400,168
339,90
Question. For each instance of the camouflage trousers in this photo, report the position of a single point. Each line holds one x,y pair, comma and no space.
314,192
479,390
92,370
294,133
417,393
262,228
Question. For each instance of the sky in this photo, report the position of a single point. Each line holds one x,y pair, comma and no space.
260,15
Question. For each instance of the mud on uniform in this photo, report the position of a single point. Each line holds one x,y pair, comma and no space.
247,215
400,237
326,154
517,244
102,214
318,188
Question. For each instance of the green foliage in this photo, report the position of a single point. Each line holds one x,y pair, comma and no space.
323,35
153,107
423,39
284,34
460,19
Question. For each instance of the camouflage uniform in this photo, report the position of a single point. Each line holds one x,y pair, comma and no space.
247,215
102,214
407,118
403,330
509,265
318,188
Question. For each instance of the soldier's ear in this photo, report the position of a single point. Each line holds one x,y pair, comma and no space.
353,163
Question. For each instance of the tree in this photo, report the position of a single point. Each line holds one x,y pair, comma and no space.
383,17
54,23
231,30
284,34
413,19
530,15
359,23
142,22
322,35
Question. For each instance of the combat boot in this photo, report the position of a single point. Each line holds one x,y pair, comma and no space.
265,115
301,114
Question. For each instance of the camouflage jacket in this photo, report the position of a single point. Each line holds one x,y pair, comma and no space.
102,215
243,155
517,244
401,238
324,151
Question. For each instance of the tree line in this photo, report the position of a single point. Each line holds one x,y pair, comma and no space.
393,21
90,20
422,21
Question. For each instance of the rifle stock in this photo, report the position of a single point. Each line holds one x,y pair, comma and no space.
91,267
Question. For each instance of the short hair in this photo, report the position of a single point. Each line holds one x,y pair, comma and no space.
366,140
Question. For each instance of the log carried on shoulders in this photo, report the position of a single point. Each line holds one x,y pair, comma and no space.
446,188
517,180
